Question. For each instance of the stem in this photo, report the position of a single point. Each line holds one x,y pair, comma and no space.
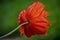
13,30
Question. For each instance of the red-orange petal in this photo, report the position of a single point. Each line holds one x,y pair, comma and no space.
27,31
21,30
22,17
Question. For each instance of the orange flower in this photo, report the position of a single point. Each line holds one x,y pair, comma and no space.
36,16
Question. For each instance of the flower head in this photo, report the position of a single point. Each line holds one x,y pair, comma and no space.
36,16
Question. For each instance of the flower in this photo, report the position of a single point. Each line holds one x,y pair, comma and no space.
36,16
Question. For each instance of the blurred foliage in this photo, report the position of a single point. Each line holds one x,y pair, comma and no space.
9,12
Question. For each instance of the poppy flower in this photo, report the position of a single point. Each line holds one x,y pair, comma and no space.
36,16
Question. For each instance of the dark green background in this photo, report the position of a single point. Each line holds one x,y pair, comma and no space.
9,12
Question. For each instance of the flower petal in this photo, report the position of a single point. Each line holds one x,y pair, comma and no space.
35,10
22,17
27,31
21,30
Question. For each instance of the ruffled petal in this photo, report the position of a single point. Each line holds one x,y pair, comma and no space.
44,14
35,10
38,29
27,31
21,30
22,17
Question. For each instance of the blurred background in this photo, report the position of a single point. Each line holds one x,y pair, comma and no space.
9,12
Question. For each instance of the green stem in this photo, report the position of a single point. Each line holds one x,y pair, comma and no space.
13,30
